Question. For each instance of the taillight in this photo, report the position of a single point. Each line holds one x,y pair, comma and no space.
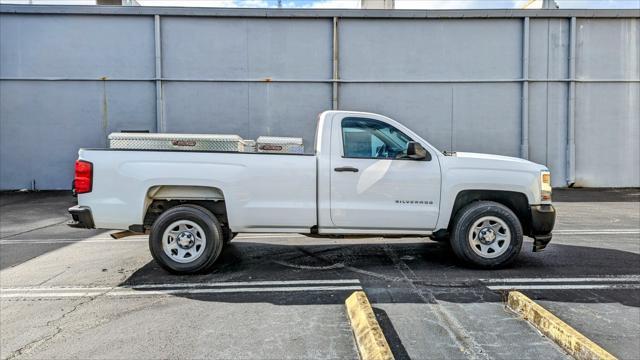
83,181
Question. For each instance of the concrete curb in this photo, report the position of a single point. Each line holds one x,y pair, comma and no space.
576,344
370,339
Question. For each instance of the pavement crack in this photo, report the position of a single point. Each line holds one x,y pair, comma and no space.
456,331
32,345
343,265
52,277
353,269
30,230
308,267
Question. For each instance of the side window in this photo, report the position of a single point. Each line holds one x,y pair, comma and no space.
368,138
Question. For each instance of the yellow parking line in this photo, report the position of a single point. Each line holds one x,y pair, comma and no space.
370,339
576,344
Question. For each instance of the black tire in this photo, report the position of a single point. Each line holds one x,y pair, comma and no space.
212,231
467,217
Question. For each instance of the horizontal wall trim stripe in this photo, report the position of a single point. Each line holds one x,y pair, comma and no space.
348,81
317,13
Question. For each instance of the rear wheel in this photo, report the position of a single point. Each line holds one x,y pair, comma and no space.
486,234
186,239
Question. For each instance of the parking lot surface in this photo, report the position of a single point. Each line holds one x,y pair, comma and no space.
68,293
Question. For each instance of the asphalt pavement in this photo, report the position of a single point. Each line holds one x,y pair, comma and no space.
68,293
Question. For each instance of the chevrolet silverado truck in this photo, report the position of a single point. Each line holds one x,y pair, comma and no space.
368,176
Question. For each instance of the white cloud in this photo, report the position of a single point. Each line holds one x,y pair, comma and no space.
335,4
209,3
599,4
254,4
464,4
514,4
189,3
49,2
321,4
459,4
176,3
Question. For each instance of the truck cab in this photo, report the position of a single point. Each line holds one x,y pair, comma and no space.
375,175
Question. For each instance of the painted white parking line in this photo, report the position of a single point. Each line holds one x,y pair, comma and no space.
631,232
58,289
565,287
252,283
611,282
276,236
184,285
50,295
635,230
72,242
67,241
604,278
185,288
235,290
125,292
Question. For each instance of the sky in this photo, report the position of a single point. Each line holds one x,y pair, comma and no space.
400,4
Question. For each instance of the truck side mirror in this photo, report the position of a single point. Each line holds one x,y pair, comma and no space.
415,151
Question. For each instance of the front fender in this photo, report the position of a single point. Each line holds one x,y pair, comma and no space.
458,180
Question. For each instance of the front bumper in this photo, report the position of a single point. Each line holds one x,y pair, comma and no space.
82,217
543,217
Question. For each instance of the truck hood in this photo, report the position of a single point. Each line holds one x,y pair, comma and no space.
490,157
489,160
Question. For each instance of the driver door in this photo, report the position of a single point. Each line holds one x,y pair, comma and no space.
374,186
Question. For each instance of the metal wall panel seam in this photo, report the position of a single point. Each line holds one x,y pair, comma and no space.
349,81
524,141
571,108
158,79
548,101
335,62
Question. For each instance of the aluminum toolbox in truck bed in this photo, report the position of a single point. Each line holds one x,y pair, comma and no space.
280,144
188,142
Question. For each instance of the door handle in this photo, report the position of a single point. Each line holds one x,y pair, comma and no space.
346,168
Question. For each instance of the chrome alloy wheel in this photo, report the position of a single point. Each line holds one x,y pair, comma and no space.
184,241
489,237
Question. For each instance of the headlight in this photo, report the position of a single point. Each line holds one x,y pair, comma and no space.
545,185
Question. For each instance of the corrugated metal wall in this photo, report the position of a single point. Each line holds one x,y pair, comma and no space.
465,80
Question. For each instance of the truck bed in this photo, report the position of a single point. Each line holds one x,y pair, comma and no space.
254,185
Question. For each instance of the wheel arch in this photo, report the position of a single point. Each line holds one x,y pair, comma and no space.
160,198
516,201
170,192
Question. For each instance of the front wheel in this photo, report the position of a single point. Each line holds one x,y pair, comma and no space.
486,234
186,239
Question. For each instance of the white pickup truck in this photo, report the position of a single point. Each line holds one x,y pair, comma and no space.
369,175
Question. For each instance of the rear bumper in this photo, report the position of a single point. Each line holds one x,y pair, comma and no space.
81,217
543,218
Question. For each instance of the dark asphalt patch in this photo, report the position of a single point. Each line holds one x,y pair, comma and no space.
433,263
596,195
